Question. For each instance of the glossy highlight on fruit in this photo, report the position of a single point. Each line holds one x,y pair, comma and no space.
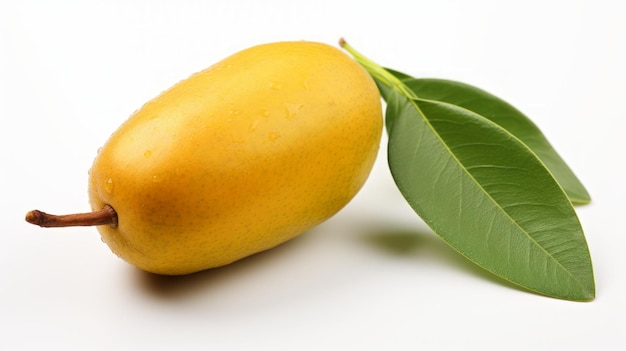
238,158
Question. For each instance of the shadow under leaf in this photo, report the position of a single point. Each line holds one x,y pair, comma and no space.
424,244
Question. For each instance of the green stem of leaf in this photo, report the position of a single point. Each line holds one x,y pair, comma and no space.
378,72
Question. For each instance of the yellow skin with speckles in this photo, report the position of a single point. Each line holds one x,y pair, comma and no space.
238,158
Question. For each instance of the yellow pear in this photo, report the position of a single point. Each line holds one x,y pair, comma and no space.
234,160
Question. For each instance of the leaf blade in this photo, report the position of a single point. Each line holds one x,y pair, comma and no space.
450,164
503,114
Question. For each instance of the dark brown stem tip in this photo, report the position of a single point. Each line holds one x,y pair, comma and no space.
342,42
35,217
105,216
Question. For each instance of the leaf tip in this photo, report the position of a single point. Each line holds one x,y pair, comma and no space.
590,295
586,294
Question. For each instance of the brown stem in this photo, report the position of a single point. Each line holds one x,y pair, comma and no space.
105,216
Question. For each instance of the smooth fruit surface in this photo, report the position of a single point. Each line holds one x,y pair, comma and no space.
238,158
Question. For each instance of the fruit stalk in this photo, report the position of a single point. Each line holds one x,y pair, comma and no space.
378,72
105,216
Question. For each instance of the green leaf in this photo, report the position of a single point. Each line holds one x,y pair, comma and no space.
488,196
473,178
503,114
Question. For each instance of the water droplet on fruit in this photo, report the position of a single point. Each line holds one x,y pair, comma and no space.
265,113
292,110
253,125
232,114
274,136
275,86
157,179
148,153
108,186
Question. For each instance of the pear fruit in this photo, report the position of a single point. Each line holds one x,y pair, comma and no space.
234,160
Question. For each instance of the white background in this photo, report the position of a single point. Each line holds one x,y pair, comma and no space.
374,277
